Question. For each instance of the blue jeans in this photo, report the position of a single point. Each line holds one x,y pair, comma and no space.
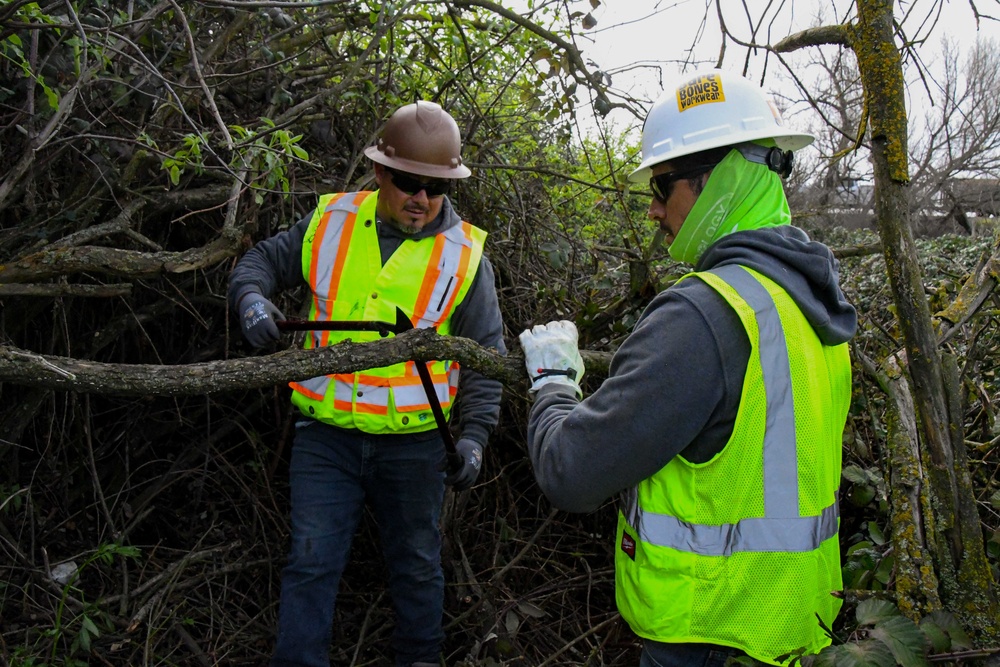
656,654
333,472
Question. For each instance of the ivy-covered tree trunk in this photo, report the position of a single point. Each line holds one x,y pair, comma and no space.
946,520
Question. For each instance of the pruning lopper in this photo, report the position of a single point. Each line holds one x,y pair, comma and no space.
401,324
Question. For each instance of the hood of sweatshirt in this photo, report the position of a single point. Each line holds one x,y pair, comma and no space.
806,269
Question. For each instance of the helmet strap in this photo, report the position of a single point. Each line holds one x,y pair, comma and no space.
773,158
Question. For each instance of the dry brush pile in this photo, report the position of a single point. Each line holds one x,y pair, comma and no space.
143,151
145,148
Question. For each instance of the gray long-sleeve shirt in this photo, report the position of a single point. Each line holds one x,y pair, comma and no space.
674,385
275,264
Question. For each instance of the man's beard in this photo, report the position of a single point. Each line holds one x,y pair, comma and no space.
409,230
413,227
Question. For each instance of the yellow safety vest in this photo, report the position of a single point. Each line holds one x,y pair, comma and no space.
743,550
426,278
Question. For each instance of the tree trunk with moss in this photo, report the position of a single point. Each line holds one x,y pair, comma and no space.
950,521
936,533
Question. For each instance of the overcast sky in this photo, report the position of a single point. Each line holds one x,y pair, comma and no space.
641,42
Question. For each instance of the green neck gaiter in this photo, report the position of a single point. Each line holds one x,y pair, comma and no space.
739,195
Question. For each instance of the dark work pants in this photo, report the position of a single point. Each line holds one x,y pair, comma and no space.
333,472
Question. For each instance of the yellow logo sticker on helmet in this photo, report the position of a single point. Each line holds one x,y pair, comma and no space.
700,90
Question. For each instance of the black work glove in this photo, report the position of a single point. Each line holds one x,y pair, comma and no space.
258,316
465,476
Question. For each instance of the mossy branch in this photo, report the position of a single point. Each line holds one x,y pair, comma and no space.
66,374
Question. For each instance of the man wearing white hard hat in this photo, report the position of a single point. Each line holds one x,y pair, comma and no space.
721,420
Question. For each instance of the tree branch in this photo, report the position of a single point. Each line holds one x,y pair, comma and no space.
827,34
57,290
22,367
569,48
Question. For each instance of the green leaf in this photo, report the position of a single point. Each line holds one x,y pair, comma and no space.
175,175
530,610
541,54
52,96
885,567
876,533
511,622
853,473
940,641
860,546
865,653
871,612
907,643
950,624
860,495
89,626
129,552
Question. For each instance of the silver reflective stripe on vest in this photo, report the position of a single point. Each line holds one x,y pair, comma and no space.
317,385
329,245
455,243
781,528
804,533
413,397
343,392
781,475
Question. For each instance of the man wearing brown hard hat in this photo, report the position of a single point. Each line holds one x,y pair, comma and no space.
373,436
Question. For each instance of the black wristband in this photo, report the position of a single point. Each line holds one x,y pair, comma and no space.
546,372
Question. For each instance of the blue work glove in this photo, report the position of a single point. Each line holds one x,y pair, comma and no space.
551,355
258,316
465,476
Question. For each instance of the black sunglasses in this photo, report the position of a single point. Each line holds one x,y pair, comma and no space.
663,184
410,185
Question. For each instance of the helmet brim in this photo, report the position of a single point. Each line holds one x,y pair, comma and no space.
418,168
789,141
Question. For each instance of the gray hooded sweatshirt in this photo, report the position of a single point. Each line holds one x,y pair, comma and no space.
675,383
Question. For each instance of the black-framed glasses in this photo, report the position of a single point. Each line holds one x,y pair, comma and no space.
410,185
663,184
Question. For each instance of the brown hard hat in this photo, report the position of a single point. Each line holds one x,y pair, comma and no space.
421,138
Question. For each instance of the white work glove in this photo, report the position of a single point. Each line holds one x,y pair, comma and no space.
551,355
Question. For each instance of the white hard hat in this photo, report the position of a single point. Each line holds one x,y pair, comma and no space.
710,109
